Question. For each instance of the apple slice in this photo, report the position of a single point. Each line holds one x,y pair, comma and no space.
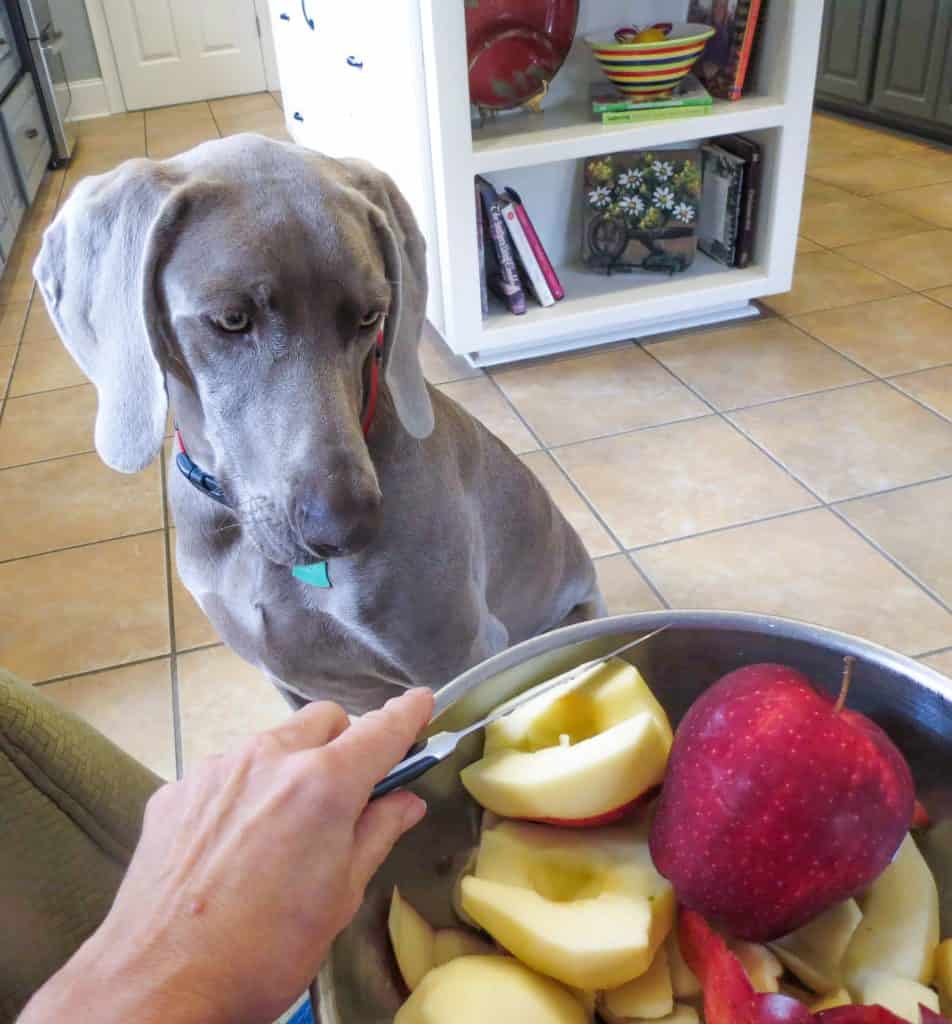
450,943
684,981
762,967
647,997
831,1000
681,1014
456,896
412,939
477,989
900,927
584,756
943,974
814,952
900,996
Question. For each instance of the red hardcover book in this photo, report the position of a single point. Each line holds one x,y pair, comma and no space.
723,65
535,243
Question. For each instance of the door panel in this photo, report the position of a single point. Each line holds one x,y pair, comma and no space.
911,52
943,113
848,48
177,51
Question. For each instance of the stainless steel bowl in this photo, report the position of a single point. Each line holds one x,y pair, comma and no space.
358,983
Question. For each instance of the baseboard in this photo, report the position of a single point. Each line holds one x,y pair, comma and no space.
90,99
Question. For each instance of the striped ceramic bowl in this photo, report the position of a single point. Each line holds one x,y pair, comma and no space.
651,70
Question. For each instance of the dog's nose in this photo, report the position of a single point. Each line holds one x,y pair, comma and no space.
332,524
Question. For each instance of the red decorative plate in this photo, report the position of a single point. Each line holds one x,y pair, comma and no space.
515,47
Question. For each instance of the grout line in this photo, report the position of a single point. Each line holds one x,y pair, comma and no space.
104,668
939,650
583,496
78,547
173,658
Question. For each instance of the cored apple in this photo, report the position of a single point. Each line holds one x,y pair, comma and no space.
450,943
814,952
481,989
583,756
412,939
899,931
586,907
901,996
647,997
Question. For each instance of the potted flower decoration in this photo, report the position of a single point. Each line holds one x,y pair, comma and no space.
641,210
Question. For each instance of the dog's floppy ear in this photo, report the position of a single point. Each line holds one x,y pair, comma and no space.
95,262
404,251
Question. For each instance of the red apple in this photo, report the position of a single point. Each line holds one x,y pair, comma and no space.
778,802
873,1015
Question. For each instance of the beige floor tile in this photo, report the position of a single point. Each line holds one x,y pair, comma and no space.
239,106
16,284
192,628
114,126
12,318
48,425
579,397
819,190
805,245
855,441
84,609
825,280
97,154
172,119
77,500
758,362
905,525
165,146
441,365
943,295
48,196
876,174
481,399
44,365
7,355
222,700
264,122
850,219
932,204
673,481
941,662
933,387
38,323
595,537
623,588
888,337
809,566
132,706
278,98
922,260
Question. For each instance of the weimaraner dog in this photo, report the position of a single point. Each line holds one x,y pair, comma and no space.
259,289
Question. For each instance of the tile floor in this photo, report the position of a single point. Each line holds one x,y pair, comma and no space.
800,464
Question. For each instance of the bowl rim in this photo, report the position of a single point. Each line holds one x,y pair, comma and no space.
702,34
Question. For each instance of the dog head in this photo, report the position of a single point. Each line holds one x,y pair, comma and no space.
248,279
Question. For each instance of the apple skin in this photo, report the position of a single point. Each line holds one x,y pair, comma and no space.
872,1015
608,818
775,805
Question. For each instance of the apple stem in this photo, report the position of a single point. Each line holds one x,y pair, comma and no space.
848,663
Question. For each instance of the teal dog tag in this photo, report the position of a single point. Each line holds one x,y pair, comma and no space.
315,575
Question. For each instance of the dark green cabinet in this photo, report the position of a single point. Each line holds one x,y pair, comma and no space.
889,61
848,49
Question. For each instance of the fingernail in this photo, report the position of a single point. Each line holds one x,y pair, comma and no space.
414,813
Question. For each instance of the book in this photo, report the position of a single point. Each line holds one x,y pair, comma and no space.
723,65
722,184
749,151
690,93
502,274
535,244
668,113
532,271
481,245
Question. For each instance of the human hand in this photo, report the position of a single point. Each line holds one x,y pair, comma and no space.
245,872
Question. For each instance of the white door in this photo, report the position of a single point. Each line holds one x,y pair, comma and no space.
176,51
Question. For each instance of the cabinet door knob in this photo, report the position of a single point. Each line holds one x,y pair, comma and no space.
31,133
355,62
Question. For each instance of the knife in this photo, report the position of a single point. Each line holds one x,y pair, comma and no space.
433,751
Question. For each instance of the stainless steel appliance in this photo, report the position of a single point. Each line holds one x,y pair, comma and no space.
10,62
45,59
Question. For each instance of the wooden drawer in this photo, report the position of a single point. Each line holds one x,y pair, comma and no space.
26,133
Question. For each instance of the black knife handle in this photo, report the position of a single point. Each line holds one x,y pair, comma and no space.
405,772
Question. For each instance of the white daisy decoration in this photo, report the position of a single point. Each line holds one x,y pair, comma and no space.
662,169
664,198
631,204
631,179
600,196
684,212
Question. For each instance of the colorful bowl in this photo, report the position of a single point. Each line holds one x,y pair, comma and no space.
651,70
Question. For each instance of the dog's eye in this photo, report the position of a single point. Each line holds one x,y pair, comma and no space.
371,319
234,321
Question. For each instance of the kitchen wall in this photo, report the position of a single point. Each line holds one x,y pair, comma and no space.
79,51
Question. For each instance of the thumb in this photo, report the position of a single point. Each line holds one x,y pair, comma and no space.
382,823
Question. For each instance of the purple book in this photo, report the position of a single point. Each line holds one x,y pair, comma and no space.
503,277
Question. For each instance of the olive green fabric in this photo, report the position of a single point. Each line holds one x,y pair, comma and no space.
71,807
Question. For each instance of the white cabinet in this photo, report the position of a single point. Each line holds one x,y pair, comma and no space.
388,82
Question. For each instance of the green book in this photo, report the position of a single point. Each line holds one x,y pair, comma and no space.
607,99
634,116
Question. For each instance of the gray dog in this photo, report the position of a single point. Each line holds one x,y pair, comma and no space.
259,288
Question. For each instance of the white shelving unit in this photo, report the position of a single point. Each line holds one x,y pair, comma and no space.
388,82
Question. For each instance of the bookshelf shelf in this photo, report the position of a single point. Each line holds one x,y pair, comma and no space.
399,97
